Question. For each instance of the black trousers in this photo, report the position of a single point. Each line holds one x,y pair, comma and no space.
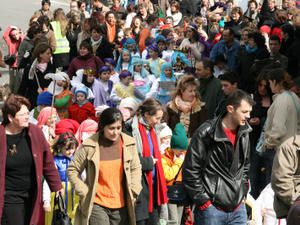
153,218
16,214
17,208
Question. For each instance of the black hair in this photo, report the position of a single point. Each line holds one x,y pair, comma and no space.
151,19
34,29
236,98
108,117
44,20
288,29
108,13
258,38
231,30
46,2
231,77
97,28
253,1
274,38
86,44
207,63
65,140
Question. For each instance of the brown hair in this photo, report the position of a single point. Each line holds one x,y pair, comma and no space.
183,84
237,10
150,106
281,76
12,105
176,5
40,48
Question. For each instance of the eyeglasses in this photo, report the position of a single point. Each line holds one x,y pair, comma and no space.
22,114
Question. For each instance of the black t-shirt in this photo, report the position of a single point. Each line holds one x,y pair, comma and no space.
20,169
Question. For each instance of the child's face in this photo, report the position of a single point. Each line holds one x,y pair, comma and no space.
83,51
131,47
126,56
105,76
90,78
168,72
69,151
126,81
52,120
128,34
138,68
147,67
153,54
80,97
161,46
166,140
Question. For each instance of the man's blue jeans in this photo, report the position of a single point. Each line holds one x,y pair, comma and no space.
214,216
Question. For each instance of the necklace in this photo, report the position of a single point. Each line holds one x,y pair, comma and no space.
13,147
13,150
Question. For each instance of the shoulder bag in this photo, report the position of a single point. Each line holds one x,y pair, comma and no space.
60,216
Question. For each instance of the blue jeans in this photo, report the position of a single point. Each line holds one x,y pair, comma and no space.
214,216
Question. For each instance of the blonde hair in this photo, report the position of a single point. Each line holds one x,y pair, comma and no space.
59,15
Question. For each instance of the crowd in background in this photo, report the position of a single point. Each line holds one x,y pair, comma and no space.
118,90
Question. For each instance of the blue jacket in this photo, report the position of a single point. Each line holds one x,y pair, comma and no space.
230,54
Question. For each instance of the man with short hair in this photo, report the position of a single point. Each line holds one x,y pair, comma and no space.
98,6
210,87
215,169
229,82
229,47
45,10
275,55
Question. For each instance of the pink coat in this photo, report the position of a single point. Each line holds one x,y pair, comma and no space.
13,45
44,167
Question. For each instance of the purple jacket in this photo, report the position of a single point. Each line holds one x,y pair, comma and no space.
44,167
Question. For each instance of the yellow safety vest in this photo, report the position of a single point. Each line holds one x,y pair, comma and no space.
62,43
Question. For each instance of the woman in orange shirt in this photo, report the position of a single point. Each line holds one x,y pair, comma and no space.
113,174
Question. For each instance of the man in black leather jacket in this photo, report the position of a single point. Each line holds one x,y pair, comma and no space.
215,170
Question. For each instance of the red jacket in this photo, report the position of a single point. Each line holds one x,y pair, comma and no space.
90,61
82,113
44,167
13,45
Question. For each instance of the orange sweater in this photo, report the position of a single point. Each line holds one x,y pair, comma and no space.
110,191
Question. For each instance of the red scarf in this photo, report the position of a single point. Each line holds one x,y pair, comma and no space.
160,179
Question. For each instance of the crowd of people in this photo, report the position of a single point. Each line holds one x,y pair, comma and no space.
153,112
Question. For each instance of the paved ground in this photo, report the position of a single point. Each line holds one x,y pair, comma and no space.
18,13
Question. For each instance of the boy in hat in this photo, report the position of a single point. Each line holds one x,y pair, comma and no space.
82,109
172,161
125,88
44,99
155,62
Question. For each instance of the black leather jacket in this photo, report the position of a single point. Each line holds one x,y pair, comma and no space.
213,170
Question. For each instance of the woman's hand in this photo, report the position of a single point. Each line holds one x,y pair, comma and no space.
61,191
154,160
47,207
254,121
39,90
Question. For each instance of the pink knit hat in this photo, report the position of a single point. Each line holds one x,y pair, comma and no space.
44,115
88,126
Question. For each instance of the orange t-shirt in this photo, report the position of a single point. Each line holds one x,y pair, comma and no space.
110,191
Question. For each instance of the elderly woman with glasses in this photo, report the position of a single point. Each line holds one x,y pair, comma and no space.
25,160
